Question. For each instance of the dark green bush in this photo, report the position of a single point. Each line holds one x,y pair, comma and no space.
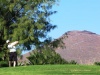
72,62
97,63
3,59
3,64
46,56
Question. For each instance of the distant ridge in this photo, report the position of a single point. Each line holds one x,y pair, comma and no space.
81,46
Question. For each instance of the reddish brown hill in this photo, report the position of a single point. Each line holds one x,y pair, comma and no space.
81,46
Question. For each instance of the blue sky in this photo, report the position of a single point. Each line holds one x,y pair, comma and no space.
76,15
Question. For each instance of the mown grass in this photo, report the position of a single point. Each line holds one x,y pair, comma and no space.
52,70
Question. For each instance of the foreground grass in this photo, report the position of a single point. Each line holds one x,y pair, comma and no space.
51,70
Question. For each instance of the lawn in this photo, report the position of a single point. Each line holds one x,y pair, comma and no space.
51,70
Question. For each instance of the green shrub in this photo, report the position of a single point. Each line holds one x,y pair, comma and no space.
3,64
46,56
97,63
72,62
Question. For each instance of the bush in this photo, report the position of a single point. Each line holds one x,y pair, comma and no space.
72,62
97,63
3,64
46,56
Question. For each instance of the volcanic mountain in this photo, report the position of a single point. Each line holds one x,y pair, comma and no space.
80,46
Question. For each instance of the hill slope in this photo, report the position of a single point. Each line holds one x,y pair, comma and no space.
81,46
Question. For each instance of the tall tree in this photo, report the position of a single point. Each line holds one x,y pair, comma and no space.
27,21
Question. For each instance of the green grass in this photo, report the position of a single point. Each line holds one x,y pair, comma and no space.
52,70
